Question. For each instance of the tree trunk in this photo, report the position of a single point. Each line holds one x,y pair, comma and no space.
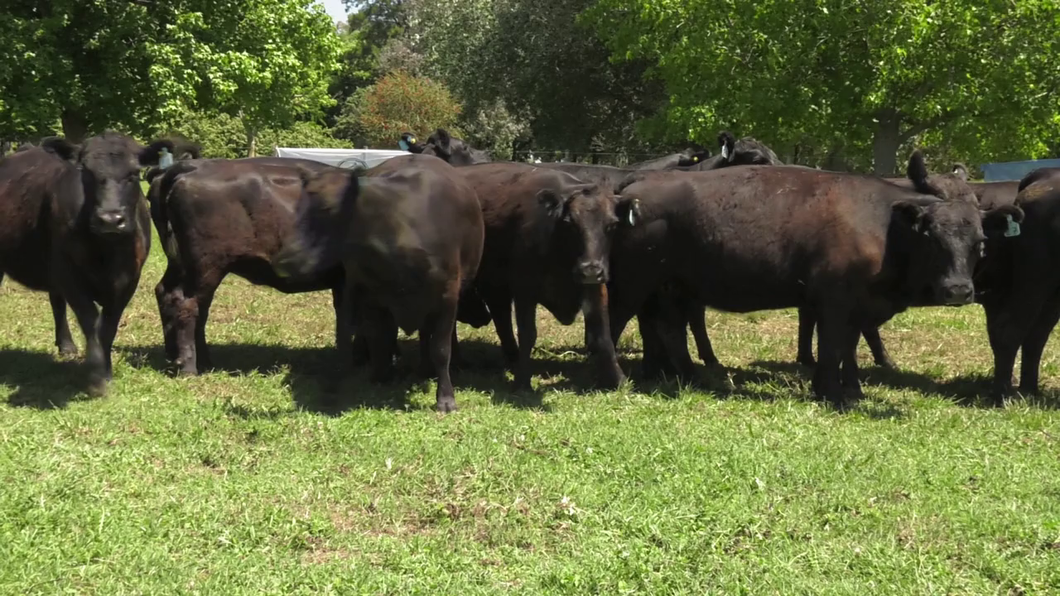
252,141
885,142
74,126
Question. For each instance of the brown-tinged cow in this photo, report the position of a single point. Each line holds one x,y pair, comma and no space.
409,236
74,223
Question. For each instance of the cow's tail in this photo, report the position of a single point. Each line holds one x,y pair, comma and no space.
321,217
158,197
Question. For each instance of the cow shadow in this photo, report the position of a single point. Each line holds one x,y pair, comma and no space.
971,391
320,383
42,381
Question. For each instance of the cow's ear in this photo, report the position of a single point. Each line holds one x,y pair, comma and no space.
728,145
61,148
1003,221
960,171
628,211
917,170
442,140
909,214
555,203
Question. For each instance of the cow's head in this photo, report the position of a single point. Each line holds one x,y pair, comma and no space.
586,217
109,165
452,150
948,239
409,142
693,155
950,187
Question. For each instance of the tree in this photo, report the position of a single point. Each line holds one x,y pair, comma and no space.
535,58
399,102
268,62
857,76
93,64
369,28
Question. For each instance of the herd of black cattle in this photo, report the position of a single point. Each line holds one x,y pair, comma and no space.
433,237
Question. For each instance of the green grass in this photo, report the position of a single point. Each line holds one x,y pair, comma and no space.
238,482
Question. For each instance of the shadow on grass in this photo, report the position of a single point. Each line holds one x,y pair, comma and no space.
966,390
316,385
41,381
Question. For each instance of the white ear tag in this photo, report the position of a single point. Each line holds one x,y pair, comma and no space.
165,158
631,219
1013,227
725,152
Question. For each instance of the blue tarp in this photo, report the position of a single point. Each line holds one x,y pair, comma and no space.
1015,170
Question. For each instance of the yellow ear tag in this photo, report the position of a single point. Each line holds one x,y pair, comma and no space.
696,158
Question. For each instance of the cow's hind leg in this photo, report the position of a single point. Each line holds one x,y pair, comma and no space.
190,333
526,319
382,340
500,307
1034,345
441,342
63,339
880,355
170,294
807,323
697,323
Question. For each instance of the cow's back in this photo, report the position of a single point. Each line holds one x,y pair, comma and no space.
753,238
416,226
234,215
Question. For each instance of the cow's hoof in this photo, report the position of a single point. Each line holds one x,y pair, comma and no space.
807,361
887,364
446,405
611,379
97,387
67,351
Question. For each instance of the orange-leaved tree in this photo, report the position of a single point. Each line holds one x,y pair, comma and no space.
377,115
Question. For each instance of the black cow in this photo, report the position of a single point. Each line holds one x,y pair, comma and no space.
73,223
855,249
689,157
1018,283
409,235
738,152
450,149
216,217
953,186
548,238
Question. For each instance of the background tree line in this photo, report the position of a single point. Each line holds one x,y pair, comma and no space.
842,84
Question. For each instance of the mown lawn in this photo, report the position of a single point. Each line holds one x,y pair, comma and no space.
240,482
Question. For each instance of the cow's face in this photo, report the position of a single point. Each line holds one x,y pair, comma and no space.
586,217
109,166
949,238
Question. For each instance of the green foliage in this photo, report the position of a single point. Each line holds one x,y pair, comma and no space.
397,103
494,129
865,76
368,30
545,67
135,65
224,136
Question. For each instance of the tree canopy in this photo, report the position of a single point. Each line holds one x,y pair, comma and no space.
137,65
869,76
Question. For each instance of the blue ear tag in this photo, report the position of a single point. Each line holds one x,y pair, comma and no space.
404,146
165,158
1013,227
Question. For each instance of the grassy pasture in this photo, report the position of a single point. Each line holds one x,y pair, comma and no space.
240,482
